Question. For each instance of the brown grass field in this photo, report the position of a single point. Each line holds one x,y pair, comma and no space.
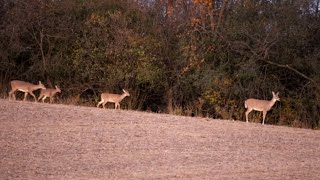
55,141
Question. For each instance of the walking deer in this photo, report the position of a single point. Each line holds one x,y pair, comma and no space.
260,105
49,93
114,98
25,87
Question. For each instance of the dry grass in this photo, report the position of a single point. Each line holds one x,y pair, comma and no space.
43,141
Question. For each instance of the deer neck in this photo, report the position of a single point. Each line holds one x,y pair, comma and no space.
35,87
122,96
272,102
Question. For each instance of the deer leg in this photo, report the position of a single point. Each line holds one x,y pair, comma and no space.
104,103
117,106
11,93
264,116
44,98
40,97
99,103
34,97
25,96
247,114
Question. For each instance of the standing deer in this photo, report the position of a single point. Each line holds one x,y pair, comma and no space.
114,98
260,105
25,87
48,93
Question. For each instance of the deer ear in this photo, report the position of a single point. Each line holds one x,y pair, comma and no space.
277,93
273,93
56,86
39,82
123,90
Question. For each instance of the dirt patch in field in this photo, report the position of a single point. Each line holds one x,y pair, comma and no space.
54,141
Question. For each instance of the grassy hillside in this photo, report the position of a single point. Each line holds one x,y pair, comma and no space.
54,141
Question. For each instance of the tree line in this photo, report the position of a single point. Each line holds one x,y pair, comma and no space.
188,57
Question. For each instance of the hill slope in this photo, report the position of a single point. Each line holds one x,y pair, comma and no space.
43,141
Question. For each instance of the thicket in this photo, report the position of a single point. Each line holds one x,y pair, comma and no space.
194,57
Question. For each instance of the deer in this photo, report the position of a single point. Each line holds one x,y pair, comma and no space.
48,93
260,105
114,98
26,87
